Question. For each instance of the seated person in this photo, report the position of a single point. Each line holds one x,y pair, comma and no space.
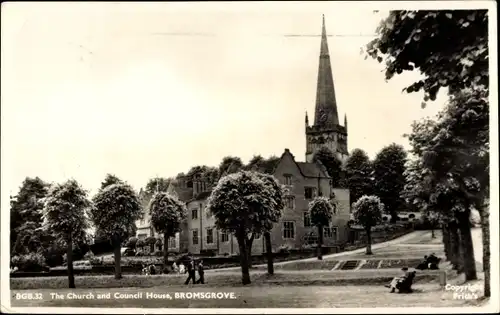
396,280
424,264
433,261
405,285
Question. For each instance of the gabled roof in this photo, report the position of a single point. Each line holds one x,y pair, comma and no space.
311,169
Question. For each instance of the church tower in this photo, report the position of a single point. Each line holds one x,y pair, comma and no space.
326,130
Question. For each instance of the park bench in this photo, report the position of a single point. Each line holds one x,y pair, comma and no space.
404,285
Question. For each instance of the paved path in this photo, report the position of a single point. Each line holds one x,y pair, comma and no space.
398,240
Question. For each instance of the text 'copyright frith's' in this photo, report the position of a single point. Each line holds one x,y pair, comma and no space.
128,296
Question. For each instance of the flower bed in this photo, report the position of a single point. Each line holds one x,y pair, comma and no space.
399,263
371,264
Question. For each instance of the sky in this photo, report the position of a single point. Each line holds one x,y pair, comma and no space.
145,90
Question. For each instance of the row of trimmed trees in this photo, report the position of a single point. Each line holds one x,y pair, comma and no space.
449,174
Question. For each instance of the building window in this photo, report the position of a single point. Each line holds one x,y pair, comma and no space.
290,202
307,219
195,236
309,192
288,179
194,214
289,230
330,232
210,235
224,237
172,243
142,236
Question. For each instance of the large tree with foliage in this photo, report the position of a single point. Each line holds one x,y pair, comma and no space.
26,216
65,215
243,204
109,180
321,213
115,210
230,165
359,174
454,158
204,173
332,164
276,206
167,213
157,184
260,164
367,211
449,47
388,170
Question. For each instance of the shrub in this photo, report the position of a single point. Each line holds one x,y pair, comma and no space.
158,253
29,262
88,256
284,249
96,261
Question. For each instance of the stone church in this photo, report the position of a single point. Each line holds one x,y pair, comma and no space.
305,180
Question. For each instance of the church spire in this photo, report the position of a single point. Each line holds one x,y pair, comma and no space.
326,104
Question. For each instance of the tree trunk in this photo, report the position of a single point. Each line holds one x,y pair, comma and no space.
249,244
432,233
446,241
245,272
69,259
485,229
165,251
454,247
369,241
320,242
466,247
269,251
117,252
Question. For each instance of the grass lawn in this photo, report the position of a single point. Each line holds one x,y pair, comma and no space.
223,279
426,295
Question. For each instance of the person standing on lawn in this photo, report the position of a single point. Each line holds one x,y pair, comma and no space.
191,272
201,272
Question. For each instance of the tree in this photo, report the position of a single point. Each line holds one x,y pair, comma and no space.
332,164
243,204
449,47
259,164
359,175
140,244
151,241
26,215
109,180
157,184
116,208
65,209
167,213
388,170
433,219
321,213
132,242
453,153
159,243
230,165
275,209
367,211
